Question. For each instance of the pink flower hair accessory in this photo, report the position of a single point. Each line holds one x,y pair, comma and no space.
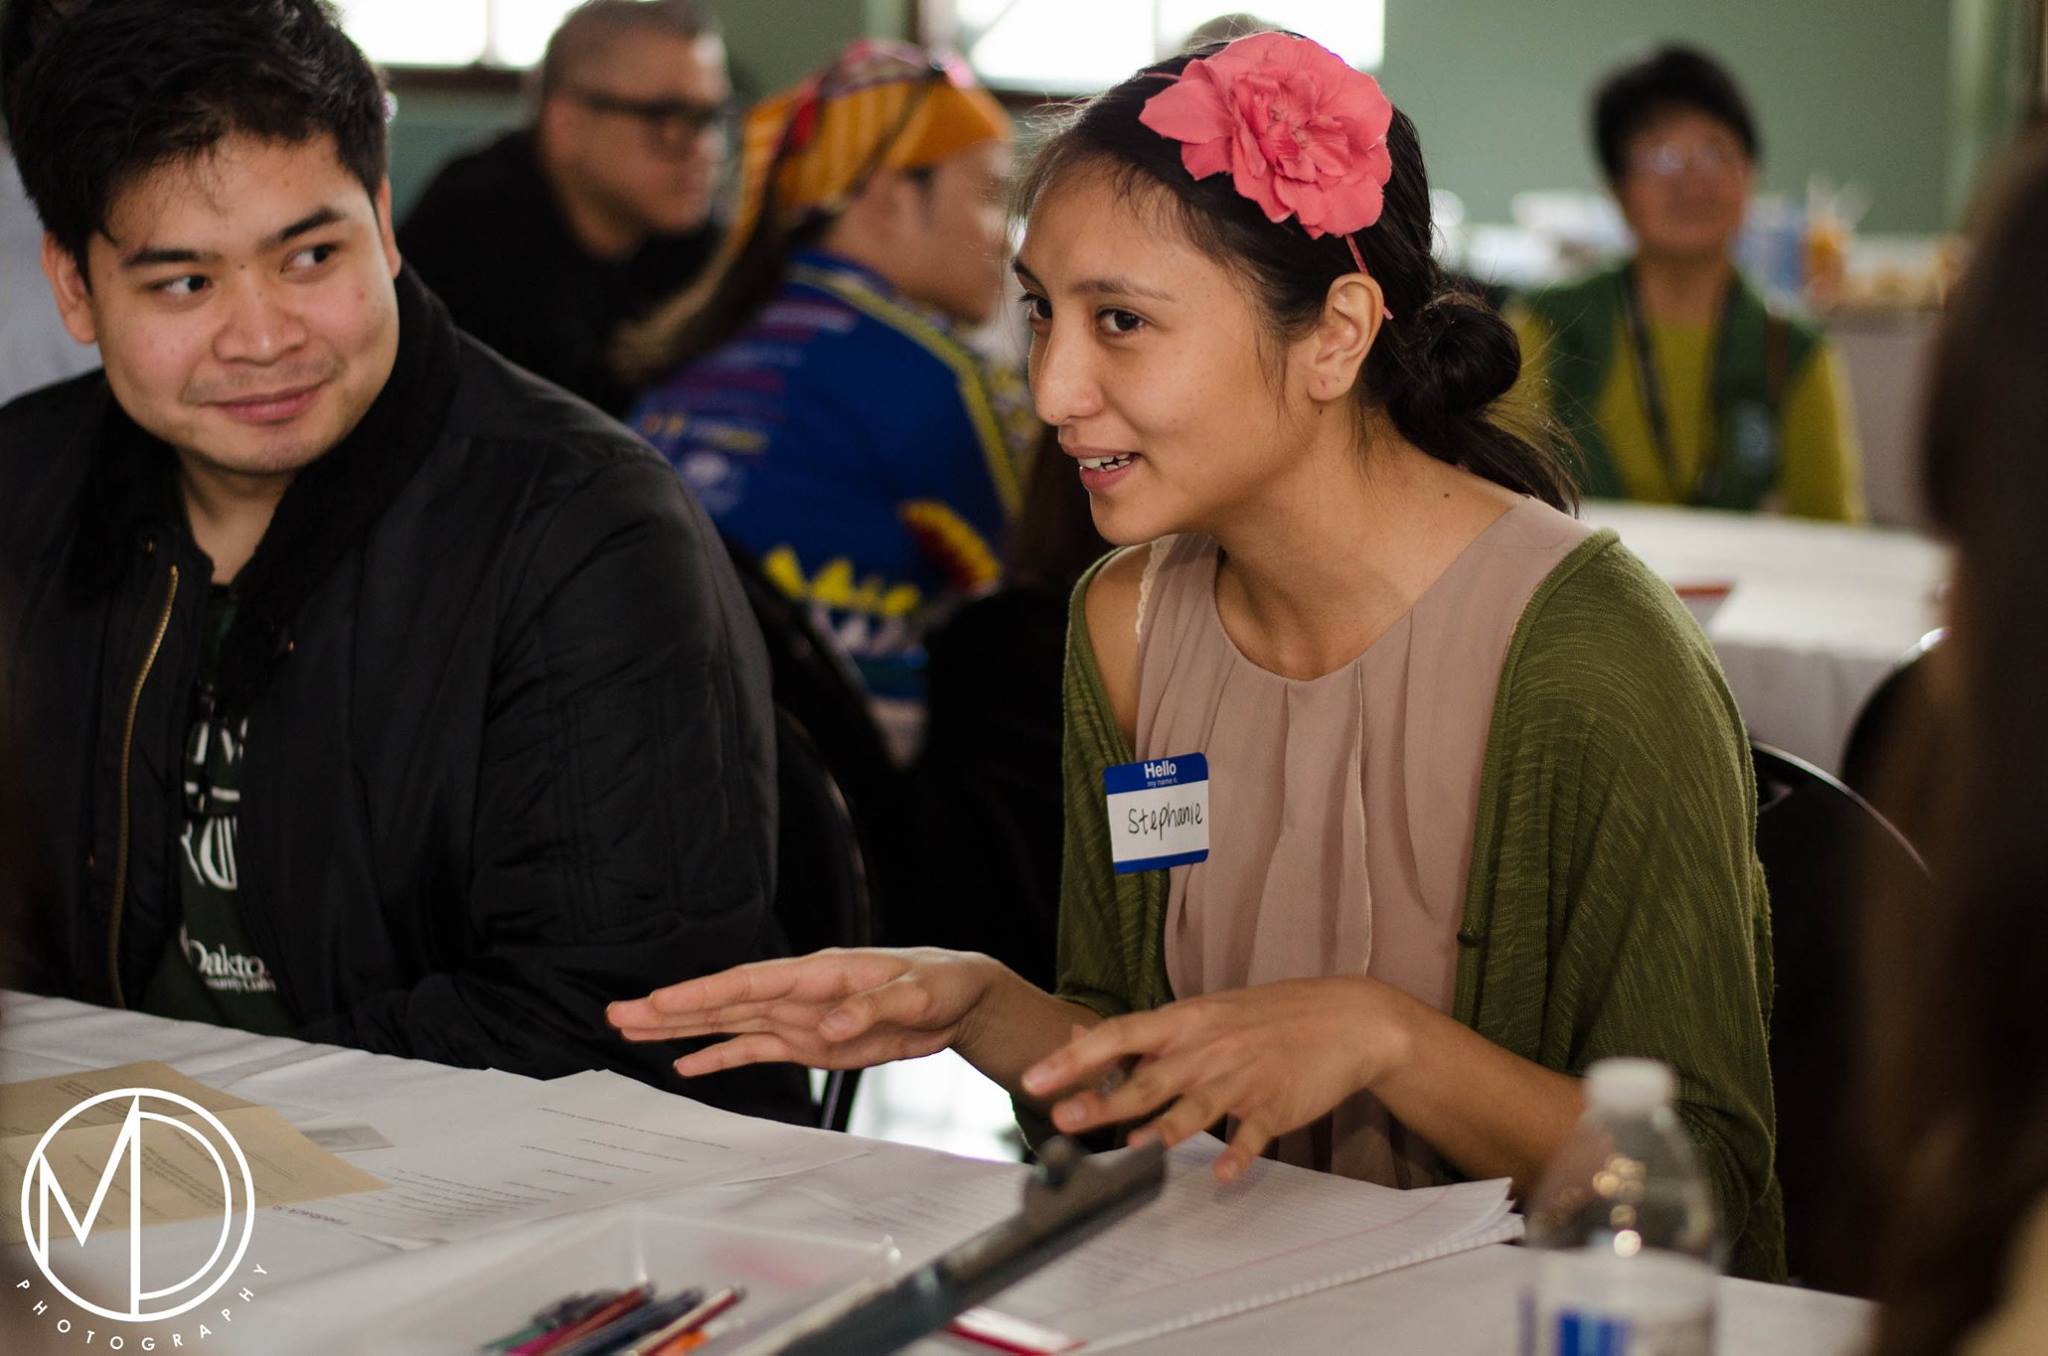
1302,134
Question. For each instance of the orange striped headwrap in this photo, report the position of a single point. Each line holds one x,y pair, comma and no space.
880,105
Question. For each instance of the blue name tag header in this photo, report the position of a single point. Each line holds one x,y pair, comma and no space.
1174,771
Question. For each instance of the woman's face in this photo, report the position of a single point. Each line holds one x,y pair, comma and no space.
1685,185
1145,356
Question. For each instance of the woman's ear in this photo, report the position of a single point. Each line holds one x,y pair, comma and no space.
1353,311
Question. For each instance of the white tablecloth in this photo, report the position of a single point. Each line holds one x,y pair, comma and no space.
1458,1306
1820,612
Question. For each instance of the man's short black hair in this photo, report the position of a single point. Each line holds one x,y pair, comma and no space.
23,26
101,92
1636,94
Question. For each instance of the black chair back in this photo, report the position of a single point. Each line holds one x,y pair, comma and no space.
1880,750
1819,843
817,687
821,882
986,792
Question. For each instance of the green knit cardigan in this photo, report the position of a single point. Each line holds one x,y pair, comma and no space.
1616,905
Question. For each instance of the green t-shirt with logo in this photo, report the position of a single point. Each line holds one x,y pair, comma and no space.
210,972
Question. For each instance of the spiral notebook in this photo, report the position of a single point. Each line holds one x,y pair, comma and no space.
1205,1251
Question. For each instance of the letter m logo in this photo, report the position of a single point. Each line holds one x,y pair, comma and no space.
128,1147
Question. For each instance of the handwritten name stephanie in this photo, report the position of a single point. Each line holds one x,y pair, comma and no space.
1154,823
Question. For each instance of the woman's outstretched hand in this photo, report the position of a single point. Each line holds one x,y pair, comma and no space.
1272,1057
838,1009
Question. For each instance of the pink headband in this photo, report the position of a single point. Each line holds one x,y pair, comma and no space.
1302,133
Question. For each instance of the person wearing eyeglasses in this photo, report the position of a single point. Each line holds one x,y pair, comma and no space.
546,242
815,389
1676,380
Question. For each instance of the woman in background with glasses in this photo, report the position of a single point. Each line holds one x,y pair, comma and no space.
1675,379
814,388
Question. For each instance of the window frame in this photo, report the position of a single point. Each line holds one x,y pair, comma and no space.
485,73
936,24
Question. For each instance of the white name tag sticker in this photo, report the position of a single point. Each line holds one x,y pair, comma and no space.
1158,812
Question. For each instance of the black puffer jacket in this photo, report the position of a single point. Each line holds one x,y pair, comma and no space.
509,741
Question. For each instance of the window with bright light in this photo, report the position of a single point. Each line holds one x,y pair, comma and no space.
453,32
1078,46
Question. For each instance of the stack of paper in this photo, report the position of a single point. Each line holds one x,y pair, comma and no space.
184,1181
506,1152
542,1150
1203,1251
1206,1251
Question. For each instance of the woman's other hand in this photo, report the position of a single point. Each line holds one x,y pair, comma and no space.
1272,1057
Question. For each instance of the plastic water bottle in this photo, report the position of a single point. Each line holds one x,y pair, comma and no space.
1624,1221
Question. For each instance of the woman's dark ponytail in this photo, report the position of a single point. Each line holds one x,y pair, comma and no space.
1457,357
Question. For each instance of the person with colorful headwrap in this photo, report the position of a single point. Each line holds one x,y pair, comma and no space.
815,389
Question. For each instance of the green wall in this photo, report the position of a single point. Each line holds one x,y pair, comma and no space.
775,43
1856,89
1994,51
432,126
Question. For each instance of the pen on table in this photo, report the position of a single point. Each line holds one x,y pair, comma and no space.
626,1302
689,1323
690,1341
629,1328
561,1313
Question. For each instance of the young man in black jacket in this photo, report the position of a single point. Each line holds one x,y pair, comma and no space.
370,691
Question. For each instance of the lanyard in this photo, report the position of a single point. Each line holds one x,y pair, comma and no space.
1707,480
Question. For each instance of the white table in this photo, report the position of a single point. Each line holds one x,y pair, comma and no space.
1820,612
1452,1307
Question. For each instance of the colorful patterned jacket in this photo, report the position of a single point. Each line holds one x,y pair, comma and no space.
859,449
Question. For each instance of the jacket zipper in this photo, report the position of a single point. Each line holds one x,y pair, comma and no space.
163,624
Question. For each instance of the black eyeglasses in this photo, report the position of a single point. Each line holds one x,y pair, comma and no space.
670,123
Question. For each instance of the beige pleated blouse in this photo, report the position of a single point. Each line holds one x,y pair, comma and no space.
1341,808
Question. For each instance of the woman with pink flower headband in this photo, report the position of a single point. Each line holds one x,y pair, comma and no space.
1394,795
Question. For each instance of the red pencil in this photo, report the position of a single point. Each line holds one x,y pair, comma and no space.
687,1331
590,1323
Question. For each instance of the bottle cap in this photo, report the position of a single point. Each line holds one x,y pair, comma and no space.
1628,1085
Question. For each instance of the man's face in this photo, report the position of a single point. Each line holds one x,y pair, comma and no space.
242,302
635,130
957,263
